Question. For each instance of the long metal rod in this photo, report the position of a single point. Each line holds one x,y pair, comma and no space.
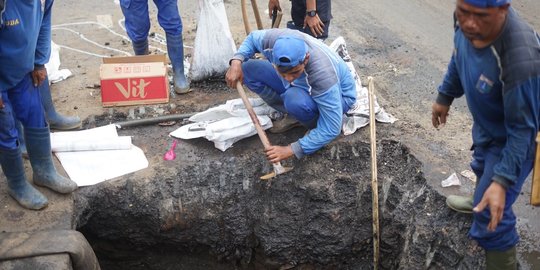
374,186
155,120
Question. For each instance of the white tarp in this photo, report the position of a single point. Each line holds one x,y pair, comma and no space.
95,166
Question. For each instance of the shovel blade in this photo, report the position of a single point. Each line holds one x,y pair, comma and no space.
275,173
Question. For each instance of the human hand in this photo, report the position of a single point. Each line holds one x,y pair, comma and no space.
39,74
439,113
273,4
315,25
276,153
495,198
234,73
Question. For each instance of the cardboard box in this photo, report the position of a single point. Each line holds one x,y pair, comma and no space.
134,80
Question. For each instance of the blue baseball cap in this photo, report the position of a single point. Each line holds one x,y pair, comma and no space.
288,52
487,3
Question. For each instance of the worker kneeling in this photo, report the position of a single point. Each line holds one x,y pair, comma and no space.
300,76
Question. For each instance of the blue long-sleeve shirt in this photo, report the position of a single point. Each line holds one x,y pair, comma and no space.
327,79
25,39
502,85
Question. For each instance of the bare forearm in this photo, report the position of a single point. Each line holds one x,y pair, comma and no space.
311,5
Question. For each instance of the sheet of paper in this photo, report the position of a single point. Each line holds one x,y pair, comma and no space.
92,167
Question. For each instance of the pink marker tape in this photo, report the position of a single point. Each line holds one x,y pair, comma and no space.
170,155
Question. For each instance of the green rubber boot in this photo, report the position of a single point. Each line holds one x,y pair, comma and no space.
18,188
462,204
501,260
55,119
38,144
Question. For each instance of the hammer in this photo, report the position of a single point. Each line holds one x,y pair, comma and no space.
278,168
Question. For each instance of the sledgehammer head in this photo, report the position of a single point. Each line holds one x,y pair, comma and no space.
278,169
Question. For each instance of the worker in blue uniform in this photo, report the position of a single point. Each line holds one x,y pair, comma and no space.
496,65
302,77
309,16
25,33
138,25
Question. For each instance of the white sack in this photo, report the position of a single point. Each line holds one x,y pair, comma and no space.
227,123
214,45
224,132
232,108
358,115
228,131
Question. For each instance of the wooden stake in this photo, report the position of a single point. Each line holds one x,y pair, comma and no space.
535,190
374,186
245,17
257,15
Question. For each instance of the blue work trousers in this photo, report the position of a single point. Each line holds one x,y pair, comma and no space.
138,20
22,102
261,78
505,235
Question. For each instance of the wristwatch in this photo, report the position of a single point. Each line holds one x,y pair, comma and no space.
311,13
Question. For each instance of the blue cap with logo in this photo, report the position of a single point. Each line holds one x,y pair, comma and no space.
288,52
487,3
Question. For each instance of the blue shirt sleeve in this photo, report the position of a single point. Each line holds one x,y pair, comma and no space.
520,107
328,124
251,45
43,48
451,86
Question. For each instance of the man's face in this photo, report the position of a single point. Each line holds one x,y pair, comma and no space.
293,73
480,25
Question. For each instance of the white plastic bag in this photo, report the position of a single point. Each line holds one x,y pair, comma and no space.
54,72
214,45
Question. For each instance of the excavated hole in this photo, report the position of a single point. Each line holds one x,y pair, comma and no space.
209,210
